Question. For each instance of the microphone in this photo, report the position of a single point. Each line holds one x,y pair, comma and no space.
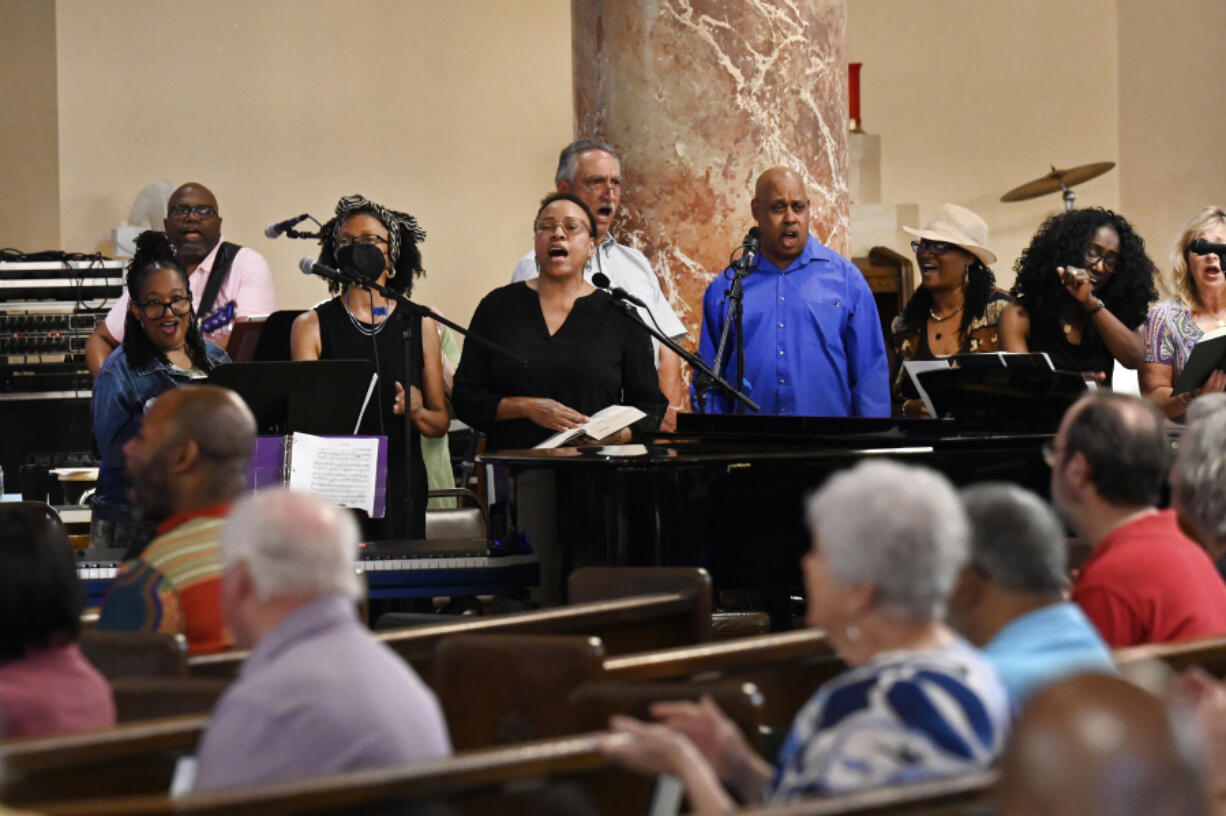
601,280
279,228
1202,246
310,266
753,240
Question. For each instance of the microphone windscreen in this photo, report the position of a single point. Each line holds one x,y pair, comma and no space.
755,235
306,265
1203,246
600,280
271,230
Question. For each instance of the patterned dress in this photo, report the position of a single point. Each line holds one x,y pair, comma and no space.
1170,333
911,343
903,717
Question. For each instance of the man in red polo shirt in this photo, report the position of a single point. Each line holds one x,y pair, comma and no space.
187,464
1145,582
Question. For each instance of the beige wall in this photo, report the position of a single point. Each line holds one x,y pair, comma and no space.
1172,115
29,159
452,111
974,97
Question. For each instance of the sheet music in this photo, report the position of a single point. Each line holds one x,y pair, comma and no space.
337,468
370,389
917,367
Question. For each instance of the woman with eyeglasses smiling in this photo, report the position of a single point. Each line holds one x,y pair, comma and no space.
1083,289
582,355
381,245
957,307
162,349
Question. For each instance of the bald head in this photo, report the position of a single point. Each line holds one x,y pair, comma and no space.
781,208
193,222
1097,744
215,418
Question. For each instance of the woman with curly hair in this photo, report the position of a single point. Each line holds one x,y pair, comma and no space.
362,324
1083,288
1198,305
955,283
162,349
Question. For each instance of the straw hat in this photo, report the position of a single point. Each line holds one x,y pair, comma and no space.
961,227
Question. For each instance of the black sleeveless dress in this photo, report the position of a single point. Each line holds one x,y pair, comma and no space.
340,340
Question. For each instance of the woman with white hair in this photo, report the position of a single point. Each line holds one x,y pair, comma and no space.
917,701
1198,477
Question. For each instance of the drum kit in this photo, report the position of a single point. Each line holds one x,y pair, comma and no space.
1058,180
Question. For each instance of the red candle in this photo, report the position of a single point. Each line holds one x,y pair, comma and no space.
853,88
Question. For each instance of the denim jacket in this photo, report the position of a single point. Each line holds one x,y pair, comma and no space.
122,394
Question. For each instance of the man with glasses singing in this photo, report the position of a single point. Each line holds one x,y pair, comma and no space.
591,170
1145,581
237,278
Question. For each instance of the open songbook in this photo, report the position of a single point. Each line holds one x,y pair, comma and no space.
601,424
1208,354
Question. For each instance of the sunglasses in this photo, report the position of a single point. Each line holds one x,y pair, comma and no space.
935,247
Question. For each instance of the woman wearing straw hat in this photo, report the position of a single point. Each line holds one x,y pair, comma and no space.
957,307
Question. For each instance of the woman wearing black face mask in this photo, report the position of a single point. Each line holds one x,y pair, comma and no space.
360,324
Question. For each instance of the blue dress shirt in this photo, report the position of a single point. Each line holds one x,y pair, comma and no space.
813,341
1046,645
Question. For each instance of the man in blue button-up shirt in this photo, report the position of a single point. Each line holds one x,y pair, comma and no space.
813,341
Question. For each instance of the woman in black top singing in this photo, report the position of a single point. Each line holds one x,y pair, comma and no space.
360,324
582,355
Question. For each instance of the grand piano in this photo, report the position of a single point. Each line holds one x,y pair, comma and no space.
725,491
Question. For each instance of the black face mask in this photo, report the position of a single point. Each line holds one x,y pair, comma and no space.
364,259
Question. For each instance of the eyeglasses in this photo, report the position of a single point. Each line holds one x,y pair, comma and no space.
1094,255
1051,453
153,309
935,247
599,185
184,210
546,226
368,240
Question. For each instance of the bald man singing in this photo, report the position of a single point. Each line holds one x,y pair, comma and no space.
813,341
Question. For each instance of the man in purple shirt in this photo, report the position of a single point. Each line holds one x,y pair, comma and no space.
813,341
193,225
318,694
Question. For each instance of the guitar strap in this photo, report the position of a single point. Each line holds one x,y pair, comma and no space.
217,275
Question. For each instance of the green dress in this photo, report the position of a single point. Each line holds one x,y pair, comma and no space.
435,450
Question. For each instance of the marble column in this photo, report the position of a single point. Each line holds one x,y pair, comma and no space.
701,96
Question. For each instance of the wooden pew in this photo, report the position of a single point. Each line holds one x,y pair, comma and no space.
552,776
970,795
138,758
624,624
1208,653
511,687
135,654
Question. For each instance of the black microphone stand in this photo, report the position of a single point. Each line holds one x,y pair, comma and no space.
733,297
349,278
710,377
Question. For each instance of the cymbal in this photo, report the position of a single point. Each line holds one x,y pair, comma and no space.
1051,183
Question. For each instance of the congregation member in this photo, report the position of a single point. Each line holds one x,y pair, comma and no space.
813,344
188,463
238,277
1145,581
1198,306
957,307
1198,477
318,694
1096,745
163,348
1083,288
591,170
1009,598
917,703
47,687
582,355
361,324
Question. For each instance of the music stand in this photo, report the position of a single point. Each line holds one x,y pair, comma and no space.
287,397
245,337
275,340
1019,398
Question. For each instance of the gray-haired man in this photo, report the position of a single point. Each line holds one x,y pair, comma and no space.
1009,598
591,170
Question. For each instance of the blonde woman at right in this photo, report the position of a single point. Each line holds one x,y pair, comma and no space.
1197,285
